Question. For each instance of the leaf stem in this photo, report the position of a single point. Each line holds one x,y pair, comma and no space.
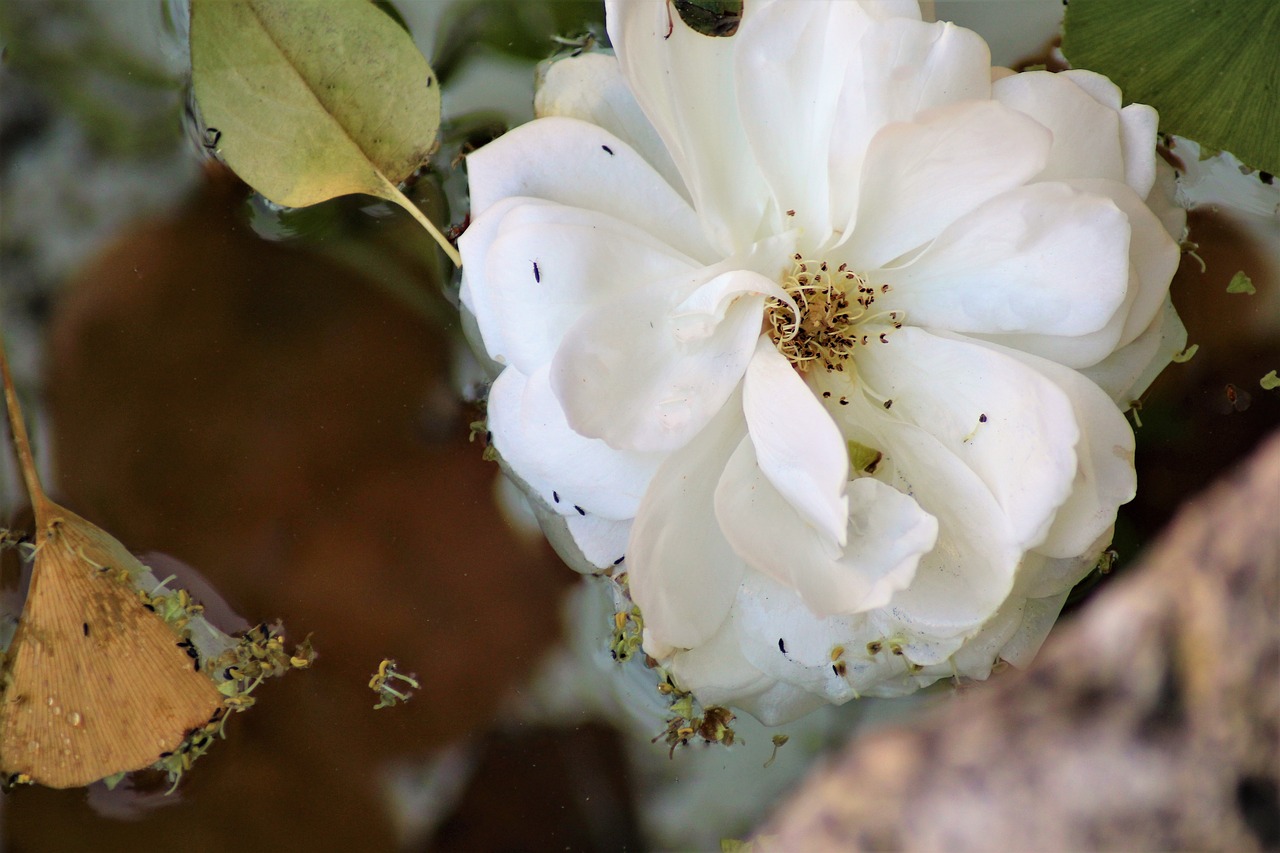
394,194
18,432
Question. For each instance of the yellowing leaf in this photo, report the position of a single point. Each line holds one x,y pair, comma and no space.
313,99
1241,283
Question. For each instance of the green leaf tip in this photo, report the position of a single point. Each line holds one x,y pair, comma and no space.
1208,66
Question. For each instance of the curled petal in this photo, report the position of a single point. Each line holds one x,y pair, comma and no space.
947,599
797,445
887,533
1011,426
1104,476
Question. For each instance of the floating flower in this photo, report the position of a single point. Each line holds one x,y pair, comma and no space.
823,327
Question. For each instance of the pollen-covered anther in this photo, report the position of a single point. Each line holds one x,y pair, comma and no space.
822,329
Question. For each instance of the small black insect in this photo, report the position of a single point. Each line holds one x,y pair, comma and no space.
555,496
537,273
782,647
888,404
982,419
607,149
85,626
620,559
580,510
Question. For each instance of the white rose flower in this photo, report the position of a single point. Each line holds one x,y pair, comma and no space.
823,326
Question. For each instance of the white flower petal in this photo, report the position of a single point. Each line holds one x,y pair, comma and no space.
1153,255
1086,134
602,541
1038,616
898,69
1010,425
887,532
920,176
790,64
591,87
716,671
475,293
1138,123
798,446
684,82
683,573
1098,86
1153,258
965,578
1129,371
566,470
784,639
580,165
1045,258
1043,577
645,374
1104,476
549,264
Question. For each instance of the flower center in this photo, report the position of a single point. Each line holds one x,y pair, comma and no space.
823,329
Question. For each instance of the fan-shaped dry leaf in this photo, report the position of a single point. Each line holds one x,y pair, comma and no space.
1208,66
94,682
313,99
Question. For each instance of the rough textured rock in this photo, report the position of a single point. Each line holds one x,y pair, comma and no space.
1150,722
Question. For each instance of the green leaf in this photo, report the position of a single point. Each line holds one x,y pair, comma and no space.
312,99
1270,382
1186,355
1209,66
1241,283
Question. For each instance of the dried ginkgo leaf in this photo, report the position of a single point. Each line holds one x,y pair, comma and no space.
95,682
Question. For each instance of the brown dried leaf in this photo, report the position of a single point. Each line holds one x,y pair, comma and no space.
94,682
